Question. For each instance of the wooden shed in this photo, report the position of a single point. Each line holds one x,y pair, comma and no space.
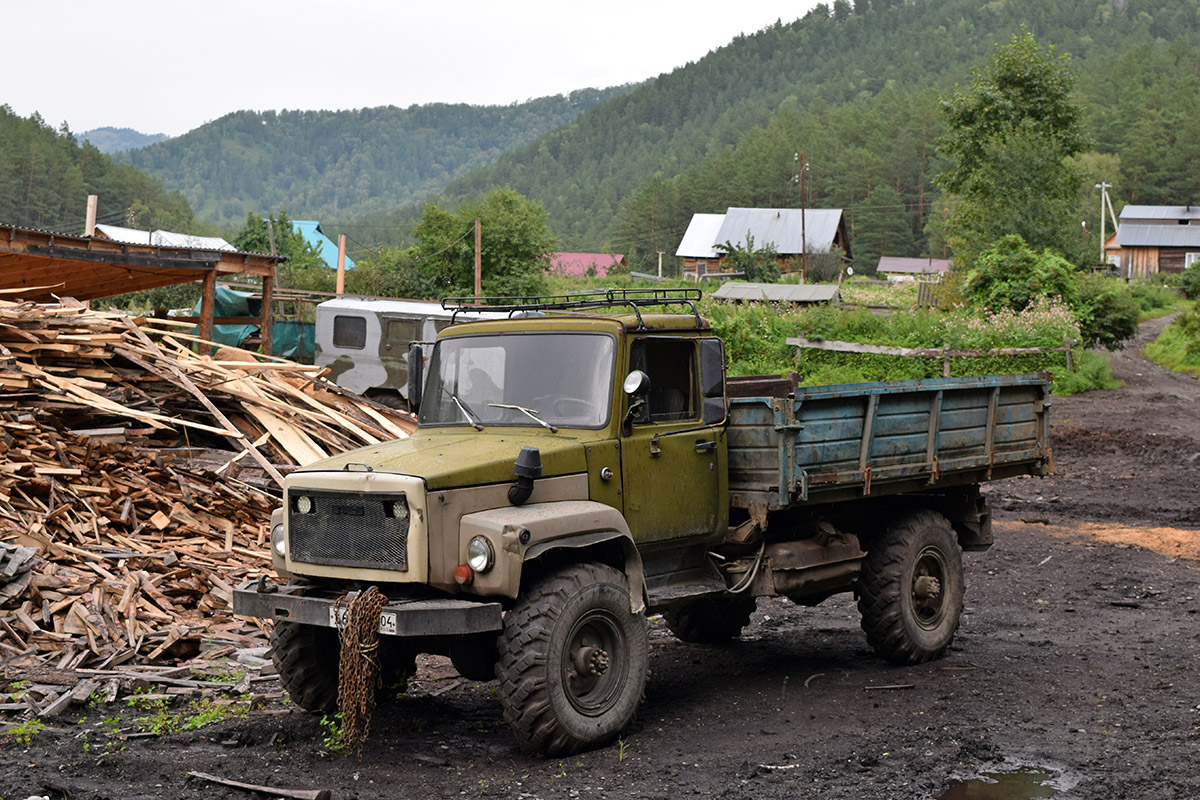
41,265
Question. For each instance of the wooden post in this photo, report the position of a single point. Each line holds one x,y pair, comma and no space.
271,234
208,304
266,318
89,227
478,260
341,273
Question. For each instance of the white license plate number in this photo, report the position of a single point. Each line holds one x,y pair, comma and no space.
338,617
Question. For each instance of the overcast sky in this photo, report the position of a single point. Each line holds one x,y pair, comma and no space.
165,66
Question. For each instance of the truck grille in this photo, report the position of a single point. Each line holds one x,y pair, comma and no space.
348,529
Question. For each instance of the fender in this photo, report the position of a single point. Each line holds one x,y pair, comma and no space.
521,533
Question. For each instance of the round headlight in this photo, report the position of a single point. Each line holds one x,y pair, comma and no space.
304,504
480,555
400,510
278,543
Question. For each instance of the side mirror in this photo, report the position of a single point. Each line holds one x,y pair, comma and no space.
712,381
637,384
416,375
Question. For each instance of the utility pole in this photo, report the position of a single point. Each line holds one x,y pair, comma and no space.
660,254
89,227
478,260
803,215
341,264
1103,187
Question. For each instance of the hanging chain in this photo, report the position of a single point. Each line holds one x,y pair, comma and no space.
358,667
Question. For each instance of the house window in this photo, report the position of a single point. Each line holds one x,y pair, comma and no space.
349,333
1189,258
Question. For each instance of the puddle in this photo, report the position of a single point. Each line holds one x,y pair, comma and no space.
1011,781
1023,784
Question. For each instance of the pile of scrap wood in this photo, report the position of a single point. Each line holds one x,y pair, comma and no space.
135,480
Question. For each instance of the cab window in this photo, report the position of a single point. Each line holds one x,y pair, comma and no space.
671,365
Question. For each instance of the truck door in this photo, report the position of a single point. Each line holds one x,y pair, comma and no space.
672,465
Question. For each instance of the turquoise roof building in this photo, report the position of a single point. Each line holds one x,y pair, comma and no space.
310,229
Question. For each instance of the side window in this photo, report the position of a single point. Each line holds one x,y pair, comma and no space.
349,333
671,365
402,332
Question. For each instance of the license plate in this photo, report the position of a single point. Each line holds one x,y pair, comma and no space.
338,616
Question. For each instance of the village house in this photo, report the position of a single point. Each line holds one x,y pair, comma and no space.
585,265
1152,239
790,231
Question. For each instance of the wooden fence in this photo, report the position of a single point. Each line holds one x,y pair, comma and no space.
945,354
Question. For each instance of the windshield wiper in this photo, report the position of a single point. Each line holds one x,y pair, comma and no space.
529,412
466,412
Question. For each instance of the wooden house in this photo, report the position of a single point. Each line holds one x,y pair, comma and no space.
1152,239
790,231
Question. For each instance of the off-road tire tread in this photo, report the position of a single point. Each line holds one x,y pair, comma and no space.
522,669
710,620
306,658
881,584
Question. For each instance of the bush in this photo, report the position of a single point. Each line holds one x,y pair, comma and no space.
1092,371
1106,310
1189,282
1009,275
1154,299
1178,346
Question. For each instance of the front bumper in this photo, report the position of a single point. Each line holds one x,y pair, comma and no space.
415,617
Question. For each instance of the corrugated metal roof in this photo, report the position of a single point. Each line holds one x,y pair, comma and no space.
1160,212
576,265
700,236
310,229
912,266
1159,236
777,292
787,229
164,238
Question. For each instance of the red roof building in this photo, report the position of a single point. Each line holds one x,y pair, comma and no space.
585,265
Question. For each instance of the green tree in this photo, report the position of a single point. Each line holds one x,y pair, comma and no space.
515,247
760,264
304,268
1010,135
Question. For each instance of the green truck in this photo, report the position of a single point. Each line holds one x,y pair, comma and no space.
586,463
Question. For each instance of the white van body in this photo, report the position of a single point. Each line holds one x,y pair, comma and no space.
364,342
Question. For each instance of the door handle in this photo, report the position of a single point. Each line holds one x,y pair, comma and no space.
706,447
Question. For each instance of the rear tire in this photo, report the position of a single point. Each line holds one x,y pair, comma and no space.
306,658
910,590
573,660
710,620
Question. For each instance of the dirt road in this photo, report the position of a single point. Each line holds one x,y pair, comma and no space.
1077,655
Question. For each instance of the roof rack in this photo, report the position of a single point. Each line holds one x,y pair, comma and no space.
635,299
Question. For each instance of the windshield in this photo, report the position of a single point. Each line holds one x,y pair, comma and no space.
528,379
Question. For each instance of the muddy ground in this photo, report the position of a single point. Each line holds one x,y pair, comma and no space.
1078,655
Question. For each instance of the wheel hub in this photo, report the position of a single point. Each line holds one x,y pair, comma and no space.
927,587
591,661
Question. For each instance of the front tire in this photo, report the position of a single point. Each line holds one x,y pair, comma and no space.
910,590
573,660
306,658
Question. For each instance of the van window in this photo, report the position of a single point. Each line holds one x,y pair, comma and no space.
349,333
403,332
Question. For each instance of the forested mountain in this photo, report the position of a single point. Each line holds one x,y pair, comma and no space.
325,164
856,86
114,140
46,176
